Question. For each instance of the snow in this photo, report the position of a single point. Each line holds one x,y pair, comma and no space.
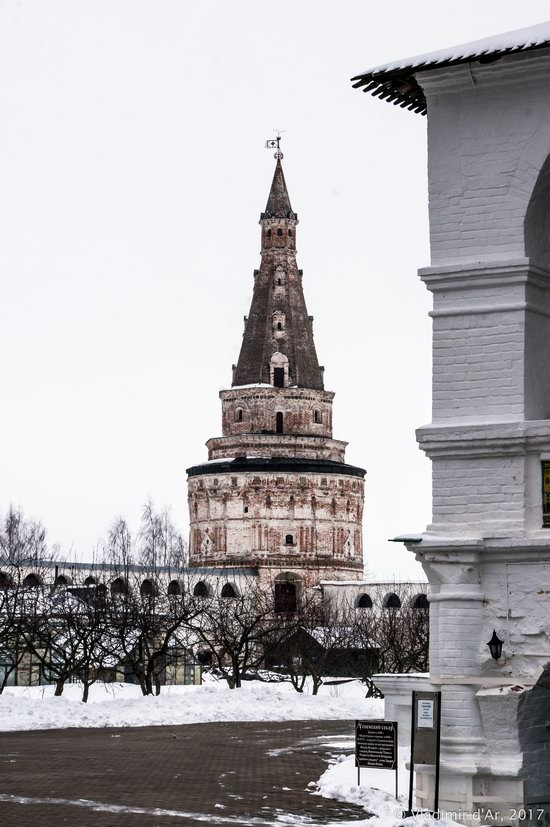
122,705
251,385
520,39
376,794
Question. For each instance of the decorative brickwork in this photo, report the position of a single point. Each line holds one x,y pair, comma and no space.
276,492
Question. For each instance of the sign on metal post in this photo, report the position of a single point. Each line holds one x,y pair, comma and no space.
425,738
376,747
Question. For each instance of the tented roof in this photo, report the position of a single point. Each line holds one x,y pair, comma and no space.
396,81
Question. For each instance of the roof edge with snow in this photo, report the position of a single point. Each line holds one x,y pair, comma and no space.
396,82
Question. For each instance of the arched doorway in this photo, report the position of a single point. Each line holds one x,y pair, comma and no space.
287,587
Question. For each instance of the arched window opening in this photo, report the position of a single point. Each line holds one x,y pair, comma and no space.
279,422
289,540
245,509
279,326
90,581
61,581
31,581
420,601
200,590
279,232
5,580
174,587
279,282
279,377
392,601
285,597
290,233
269,233
118,586
146,588
364,602
228,591
317,417
239,415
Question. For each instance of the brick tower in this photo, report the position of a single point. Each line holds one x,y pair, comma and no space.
276,492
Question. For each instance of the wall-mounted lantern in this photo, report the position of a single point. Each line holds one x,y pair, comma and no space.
495,646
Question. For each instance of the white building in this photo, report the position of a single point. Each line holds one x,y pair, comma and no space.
487,550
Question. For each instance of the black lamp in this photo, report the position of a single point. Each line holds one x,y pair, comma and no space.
495,646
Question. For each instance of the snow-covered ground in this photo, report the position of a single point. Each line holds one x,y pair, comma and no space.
123,705
376,793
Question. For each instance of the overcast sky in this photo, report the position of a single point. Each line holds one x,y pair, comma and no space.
132,176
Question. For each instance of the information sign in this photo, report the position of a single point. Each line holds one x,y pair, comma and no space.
425,714
376,746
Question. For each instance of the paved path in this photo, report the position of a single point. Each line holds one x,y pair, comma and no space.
211,774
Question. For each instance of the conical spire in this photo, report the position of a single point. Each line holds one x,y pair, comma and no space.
278,334
278,203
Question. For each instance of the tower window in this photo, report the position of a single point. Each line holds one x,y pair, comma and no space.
279,378
317,416
269,233
279,326
289,540
239,415
245,509
279,421
279,231
290,233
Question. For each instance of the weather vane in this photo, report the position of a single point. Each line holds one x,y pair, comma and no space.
276,144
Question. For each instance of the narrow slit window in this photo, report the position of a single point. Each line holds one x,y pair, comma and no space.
279,422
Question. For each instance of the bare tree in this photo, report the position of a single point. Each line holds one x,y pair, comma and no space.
118,549
23,565
400,629
321,642
21,540
146,626
238,628
160,543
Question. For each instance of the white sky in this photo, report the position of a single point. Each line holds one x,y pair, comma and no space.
132,176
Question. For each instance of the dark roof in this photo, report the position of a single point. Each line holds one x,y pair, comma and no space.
396,82
273,465
278,202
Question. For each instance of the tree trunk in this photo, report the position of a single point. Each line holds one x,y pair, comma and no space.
85,692
59,684
157,686
236,674
148,683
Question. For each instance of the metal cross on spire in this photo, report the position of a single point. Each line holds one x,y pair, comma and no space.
275,143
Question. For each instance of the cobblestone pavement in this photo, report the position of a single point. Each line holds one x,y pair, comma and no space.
212,774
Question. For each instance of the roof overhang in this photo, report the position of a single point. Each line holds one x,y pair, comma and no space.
397,83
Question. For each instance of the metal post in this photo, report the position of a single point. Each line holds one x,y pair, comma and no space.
411,763
437,752
396,764
358,775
